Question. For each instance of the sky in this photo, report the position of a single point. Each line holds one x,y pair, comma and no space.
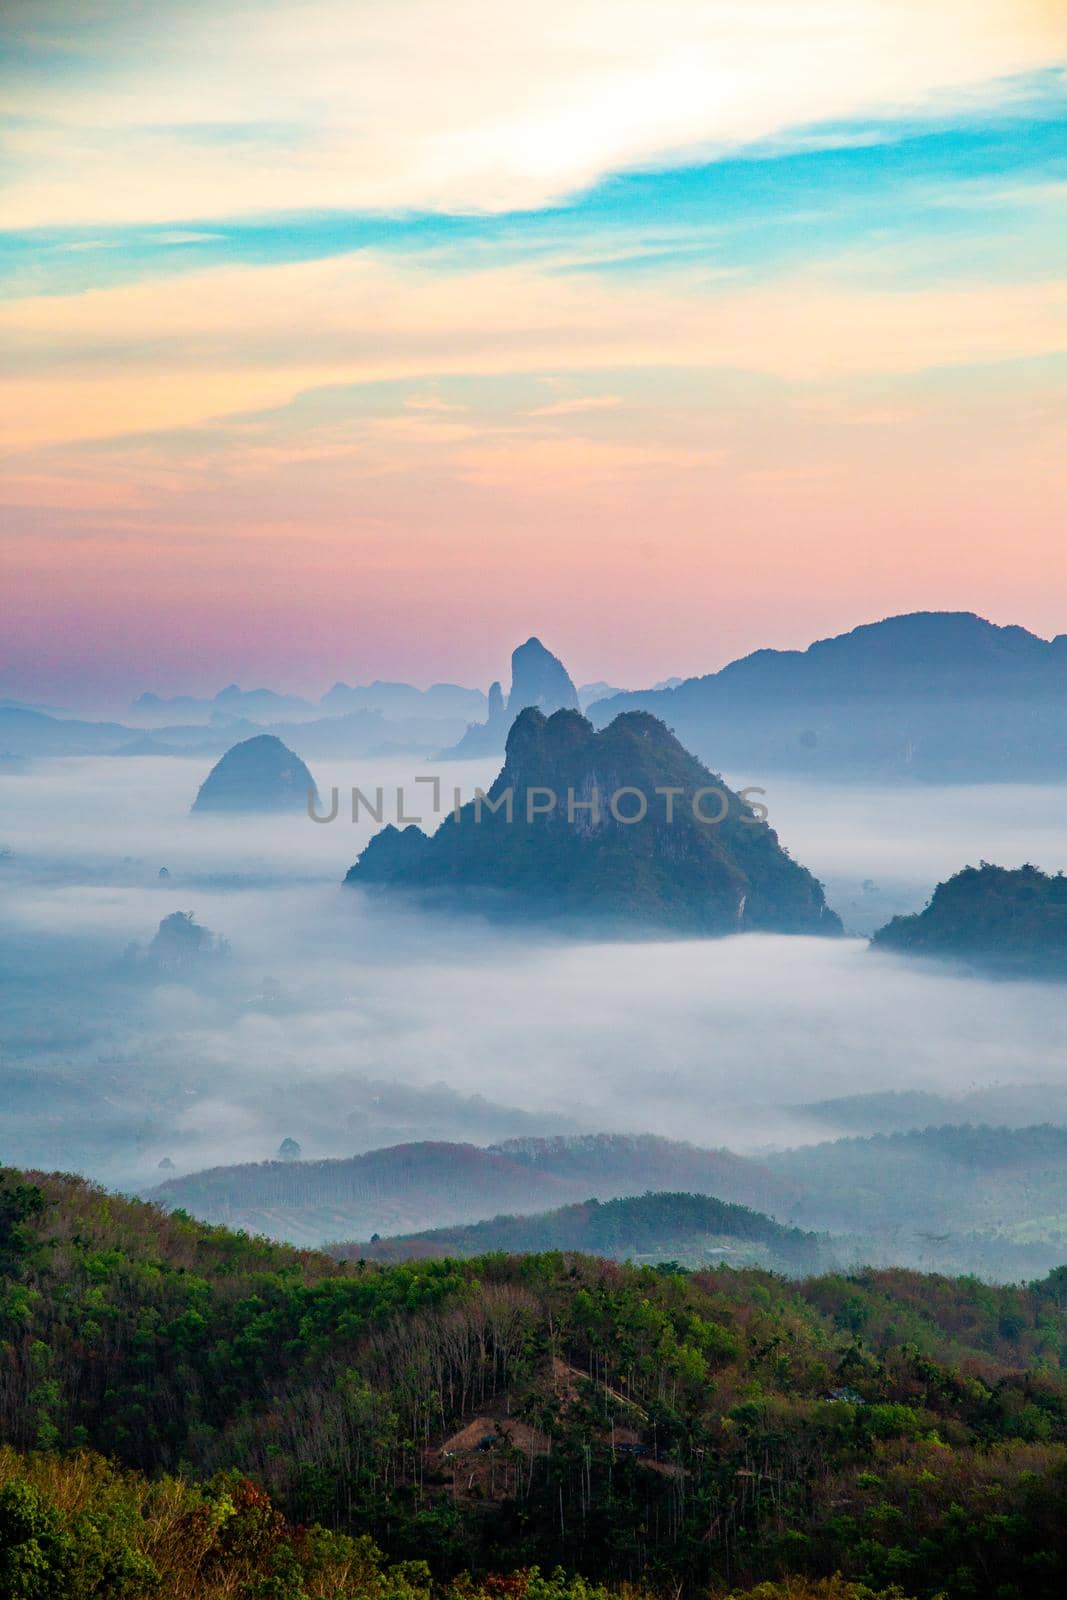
360,339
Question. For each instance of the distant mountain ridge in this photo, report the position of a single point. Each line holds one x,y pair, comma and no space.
414,1186
582,858
935,696
958,1198
929,695
958,1179
911,1110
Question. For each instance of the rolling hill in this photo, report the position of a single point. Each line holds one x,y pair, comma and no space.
692,1229
410,1187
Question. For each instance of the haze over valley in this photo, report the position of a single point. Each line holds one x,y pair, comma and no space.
350,1020
533,800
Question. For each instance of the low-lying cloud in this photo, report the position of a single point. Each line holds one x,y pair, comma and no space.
348,1021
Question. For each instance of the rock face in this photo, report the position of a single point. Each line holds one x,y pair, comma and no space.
260,774
568,849
538,678
1014,922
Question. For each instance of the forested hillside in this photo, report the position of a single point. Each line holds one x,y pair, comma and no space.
954,1178
692,1229
412,1186
695,1432
953,1199
996,919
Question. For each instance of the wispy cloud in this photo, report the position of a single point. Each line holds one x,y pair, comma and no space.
176,236
142,358
569,408
197,112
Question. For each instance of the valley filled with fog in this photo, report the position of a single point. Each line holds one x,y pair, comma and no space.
345,1021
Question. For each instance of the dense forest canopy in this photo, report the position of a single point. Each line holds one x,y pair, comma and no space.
697,1432
1009,921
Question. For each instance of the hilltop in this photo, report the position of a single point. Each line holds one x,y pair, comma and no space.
1011,922
538,679
259,774
612,829
692,1229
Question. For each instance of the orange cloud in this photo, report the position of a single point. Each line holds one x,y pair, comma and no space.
171,354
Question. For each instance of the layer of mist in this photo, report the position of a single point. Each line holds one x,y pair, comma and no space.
346,1023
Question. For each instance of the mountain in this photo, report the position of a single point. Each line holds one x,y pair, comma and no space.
898,1110
949,1186
399,700
260,774
588,692
538,678
258,705
692,1229
416,1186
269,1417
588,856
932,695
996,919
35,733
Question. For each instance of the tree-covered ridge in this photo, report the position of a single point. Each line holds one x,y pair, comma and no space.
928,1176
1002,1105
697,1432
584,857
76,1528
1012,921
408,1187
959,1198
693,1229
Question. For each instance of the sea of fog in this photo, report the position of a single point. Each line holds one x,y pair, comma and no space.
345,1022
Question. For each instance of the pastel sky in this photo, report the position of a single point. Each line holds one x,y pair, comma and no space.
361,338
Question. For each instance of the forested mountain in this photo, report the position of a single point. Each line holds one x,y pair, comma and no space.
899,1110
692,1432
992,918
622,828
936,695
957,1198
993,1200
692,1229
415,1186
